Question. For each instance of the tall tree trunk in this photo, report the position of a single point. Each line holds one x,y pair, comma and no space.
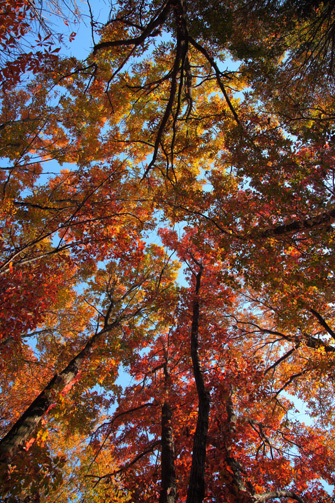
25,426
240,489
168,472
196,488
169,489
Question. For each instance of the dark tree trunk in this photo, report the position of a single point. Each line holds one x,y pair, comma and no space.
169,490
25,426
196,488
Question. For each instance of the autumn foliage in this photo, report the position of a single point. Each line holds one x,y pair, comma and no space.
167,323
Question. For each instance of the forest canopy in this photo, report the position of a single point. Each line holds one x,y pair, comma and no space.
167,316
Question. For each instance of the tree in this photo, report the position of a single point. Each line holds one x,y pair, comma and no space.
233,171
249,444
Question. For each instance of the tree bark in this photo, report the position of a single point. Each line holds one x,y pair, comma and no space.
25,426
241,490
196,488
169,489
168,492
326,218
261,498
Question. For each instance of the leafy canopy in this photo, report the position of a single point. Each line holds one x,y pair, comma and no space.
167,215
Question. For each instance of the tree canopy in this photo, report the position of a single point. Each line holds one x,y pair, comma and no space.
167,252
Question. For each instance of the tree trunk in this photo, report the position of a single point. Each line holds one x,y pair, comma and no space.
196,488
25,426
169,489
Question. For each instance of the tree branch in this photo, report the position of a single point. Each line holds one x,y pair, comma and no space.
153,24
196,488
322,322
261,498
318,220
211,60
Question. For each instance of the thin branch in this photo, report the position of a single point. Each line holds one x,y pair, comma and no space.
149,449
147,32
284,357
294,376
218,74
322,322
